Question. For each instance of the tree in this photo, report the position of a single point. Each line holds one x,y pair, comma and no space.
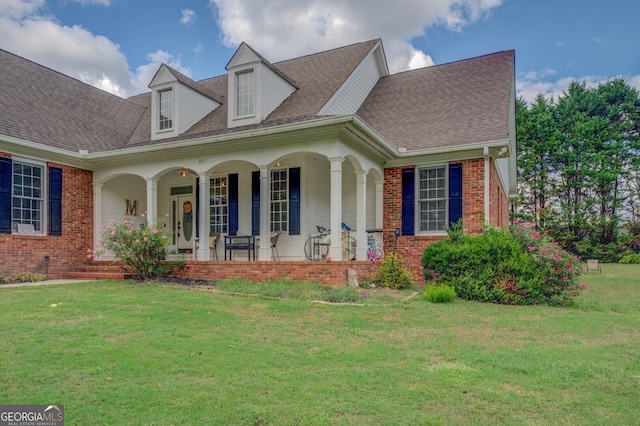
579,165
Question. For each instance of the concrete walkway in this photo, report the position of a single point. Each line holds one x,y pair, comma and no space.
48,282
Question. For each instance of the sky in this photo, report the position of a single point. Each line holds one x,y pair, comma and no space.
118,45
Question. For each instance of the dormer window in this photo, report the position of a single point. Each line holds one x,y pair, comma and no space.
165,108
245,93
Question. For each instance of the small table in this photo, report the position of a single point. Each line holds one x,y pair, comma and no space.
240,242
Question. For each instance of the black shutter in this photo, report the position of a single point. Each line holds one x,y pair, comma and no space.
6,172
455,193
294,201
255,203
55,201
408,196
233,204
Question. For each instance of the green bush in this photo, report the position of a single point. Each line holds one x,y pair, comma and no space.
393,274
630,259
439,293
521,267
25,277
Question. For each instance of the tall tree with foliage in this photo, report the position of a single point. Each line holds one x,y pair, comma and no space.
579,165
537,144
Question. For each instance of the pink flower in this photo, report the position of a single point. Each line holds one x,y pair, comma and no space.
532,248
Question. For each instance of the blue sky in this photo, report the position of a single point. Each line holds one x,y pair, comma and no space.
118,45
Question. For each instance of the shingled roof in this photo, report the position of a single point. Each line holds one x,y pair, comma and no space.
40,105
316,76
448,105
454,104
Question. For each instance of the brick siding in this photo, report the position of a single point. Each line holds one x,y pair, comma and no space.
410,247
25,253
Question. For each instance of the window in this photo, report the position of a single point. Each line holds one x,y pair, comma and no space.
432,199
165,104
218,205
279,200
28,195
245,93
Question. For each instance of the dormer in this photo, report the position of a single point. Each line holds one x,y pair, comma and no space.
256,88
352,93
177,103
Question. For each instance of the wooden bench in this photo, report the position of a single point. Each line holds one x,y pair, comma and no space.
240,242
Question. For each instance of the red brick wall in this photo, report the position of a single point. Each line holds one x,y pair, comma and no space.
410,247
24,253
329,273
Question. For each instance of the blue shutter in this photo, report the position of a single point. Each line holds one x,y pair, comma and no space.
255,203
55,201
6,173
294,201
197,207
408,196
233,204
455,193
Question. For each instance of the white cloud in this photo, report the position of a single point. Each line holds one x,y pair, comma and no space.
90,2
188,16
317,25
74,51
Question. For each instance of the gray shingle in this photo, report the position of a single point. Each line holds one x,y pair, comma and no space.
447,105
41,105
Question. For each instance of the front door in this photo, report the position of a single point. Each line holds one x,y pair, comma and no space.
185,226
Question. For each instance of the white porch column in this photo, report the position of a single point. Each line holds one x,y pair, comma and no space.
97,214
152,200
379,203
361,214
203,213
335,251
264,252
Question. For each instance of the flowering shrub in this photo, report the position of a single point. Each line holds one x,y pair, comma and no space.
522,267
560,269
141,248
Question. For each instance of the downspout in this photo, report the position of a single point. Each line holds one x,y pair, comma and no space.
486,186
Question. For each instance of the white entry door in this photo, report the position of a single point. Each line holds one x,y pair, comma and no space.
185,226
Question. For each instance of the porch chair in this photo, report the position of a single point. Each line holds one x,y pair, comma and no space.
274,242
213,244
592,265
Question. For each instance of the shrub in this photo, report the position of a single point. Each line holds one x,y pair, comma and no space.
522,267
141,248
630,259
25,277
393,273
439,293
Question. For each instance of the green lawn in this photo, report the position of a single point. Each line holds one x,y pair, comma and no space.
119,353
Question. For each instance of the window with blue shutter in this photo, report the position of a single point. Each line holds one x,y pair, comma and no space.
55,201
233,204
5,195
408,205
455,193
294,201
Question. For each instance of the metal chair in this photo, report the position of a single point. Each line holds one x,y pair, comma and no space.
592,265
213,244
274,242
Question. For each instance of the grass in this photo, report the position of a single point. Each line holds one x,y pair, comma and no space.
119,353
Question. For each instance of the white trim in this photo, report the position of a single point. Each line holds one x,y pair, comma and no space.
44,210
487,187
416,190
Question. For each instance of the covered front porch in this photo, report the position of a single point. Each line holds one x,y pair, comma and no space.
250,194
